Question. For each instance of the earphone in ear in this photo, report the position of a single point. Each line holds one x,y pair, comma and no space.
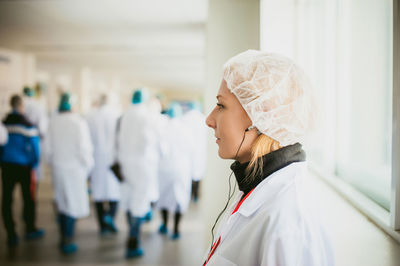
249,128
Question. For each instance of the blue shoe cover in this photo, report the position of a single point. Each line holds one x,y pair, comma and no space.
163,229
109,221
38,233
69,248
148,216
134,253
175,236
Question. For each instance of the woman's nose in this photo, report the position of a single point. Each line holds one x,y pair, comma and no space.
210,121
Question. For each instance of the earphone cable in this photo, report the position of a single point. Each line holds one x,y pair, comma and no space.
230,195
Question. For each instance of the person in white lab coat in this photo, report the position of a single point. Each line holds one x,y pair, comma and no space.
35,112
194,119
138,156
176,170
3,134
160,121
105,186
70,154
264,110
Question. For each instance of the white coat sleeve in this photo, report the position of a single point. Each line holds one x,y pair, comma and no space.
43,123
3,134
47,145
285,250
86,151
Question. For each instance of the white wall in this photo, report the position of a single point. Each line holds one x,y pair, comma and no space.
233,27
16,70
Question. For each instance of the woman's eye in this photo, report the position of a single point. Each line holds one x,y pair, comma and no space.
220,106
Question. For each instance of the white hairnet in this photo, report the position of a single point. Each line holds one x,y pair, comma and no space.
275,93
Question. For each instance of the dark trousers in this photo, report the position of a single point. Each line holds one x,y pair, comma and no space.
13,174
134,231
102,211
178,215
195,189
67,228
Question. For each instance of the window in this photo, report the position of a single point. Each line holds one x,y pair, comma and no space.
346,47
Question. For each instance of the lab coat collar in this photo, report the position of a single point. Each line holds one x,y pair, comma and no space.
266,192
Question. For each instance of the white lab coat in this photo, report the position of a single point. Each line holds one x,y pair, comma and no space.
36,114
103,125
274,226
195,121
3,134
70,154
160,121
138,155
176,167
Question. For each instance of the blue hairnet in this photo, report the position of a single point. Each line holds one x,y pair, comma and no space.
65,104
29,91
140,96
194,106
175,110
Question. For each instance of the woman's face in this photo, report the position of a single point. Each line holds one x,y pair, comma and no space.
229,121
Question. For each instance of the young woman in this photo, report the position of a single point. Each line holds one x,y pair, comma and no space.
263,111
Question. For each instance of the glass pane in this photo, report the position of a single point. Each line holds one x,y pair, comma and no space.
363,156
345,46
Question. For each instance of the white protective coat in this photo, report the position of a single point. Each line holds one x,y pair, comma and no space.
195,121
70,154
3,134
103,127
36,114
274,226
160,121
138,155
176,167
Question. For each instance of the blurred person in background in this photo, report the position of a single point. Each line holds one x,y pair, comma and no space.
3,135
105,186
35,112
138,156
159,121
70,154
176,170
195,121
264,110
19,157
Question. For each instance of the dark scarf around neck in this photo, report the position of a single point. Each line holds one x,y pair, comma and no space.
272,162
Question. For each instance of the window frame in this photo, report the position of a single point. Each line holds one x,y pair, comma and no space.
395,184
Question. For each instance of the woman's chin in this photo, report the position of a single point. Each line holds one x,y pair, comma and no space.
223,155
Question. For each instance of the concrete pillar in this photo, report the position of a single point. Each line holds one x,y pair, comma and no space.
233,26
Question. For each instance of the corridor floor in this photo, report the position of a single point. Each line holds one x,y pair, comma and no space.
97,250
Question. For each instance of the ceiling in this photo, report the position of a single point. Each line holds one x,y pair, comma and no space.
159,42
